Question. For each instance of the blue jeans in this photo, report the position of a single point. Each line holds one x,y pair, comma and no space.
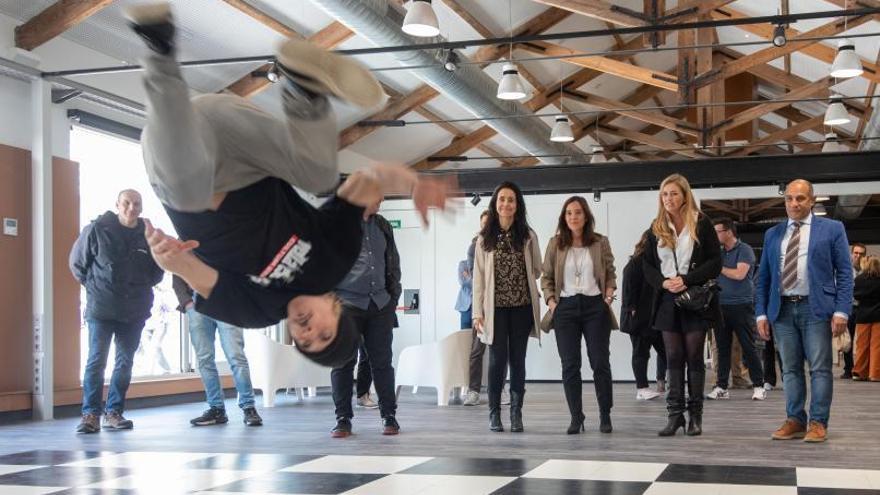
799,335
466,320
202,330
127,337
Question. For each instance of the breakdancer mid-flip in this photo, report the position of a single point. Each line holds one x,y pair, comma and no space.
255,251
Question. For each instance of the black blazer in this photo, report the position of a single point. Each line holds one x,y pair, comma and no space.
867,293
637,299
705,265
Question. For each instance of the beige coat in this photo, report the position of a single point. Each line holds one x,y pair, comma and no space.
603,270
484,286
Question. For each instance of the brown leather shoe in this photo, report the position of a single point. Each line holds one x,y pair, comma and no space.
91,423
816,433
789,430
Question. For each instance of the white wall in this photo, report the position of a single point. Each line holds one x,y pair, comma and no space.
435,253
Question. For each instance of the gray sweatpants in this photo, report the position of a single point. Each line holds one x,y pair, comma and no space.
216,143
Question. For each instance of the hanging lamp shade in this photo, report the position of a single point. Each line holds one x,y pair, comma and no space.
421,20
847,62
832,144
819,210
836,113
598,154
562,131
511,85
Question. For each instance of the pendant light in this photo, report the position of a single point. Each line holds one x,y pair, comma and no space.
511,86
832,144
847,62
421,20
836,113
598,152
561,132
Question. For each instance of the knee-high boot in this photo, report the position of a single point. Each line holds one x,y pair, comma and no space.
516,404
495,412
696,383
675,405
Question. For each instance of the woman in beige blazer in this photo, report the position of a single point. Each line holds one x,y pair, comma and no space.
506,303
579,281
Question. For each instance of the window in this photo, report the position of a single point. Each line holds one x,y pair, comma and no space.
108,165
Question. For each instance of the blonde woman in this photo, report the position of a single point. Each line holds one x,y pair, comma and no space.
579,281
682,252
867,344
506,302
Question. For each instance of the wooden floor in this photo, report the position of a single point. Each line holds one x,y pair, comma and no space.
736,431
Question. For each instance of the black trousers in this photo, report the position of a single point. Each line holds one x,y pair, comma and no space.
738,318
510,341
364,375
376,327
584,317
475,363
641,354
848,356
769,358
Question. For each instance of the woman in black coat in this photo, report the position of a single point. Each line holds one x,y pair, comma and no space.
635,317
682,251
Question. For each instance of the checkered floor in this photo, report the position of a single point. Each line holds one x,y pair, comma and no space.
169,473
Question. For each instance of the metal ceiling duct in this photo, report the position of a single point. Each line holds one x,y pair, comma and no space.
469,86
850,207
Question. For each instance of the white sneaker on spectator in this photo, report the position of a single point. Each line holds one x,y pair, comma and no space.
505,397
472,399
759,393
768,387
718,393
367,401
647,394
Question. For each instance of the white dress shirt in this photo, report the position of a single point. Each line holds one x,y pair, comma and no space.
684,249
802,286
579,258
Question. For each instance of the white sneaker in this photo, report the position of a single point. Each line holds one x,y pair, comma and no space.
718,393
647,394
759,393
367,401
505,397
472,399
768,387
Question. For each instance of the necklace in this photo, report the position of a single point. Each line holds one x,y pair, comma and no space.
578,267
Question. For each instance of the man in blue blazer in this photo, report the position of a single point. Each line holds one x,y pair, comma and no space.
804,291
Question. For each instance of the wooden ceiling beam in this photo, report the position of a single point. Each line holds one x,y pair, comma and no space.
54,20
743,64
396,108
869,109
458,146
536,25
758,110
781,135
649,140
631,111
597,9
818,51
606,65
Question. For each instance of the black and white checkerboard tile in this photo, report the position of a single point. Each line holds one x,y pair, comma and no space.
170,473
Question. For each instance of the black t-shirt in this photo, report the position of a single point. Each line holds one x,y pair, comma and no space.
269,245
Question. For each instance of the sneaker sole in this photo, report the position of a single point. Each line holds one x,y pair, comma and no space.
815,440
117,428
209,423
340,434
154,13
390,432
330,73
87,431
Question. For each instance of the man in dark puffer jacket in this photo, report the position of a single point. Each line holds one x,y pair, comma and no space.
112,260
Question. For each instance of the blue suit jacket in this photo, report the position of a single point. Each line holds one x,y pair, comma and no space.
828,266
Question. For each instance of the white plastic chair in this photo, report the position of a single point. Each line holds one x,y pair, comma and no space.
442,365
275,366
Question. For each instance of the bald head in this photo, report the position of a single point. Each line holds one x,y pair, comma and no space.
799,199
128,207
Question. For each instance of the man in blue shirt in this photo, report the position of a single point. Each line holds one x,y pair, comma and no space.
370,293
738,309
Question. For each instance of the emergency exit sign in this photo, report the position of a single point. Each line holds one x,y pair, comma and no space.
395,224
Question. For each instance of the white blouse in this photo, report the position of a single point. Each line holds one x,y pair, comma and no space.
684,249
579,261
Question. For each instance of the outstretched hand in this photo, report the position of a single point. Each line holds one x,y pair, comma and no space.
170,253
432,192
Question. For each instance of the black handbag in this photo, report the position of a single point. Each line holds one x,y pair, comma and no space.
698,298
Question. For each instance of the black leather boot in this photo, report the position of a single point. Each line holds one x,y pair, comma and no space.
495,412
696,383
675,405
605,422
576,426
516,403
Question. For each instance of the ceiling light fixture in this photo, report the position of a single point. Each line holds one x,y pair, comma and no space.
562,131
511,86
836,113
421,20
819,210
847,62
832,144
598,152
779,38
450,63
597,195
475,199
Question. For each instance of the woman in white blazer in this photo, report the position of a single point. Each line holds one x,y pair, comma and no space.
506,302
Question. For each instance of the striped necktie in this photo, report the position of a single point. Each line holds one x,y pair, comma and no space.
789,268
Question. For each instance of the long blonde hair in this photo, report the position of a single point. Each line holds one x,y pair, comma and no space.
660,227
871,266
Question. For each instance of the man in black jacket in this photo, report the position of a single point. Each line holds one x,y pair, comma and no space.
370,293
112,260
